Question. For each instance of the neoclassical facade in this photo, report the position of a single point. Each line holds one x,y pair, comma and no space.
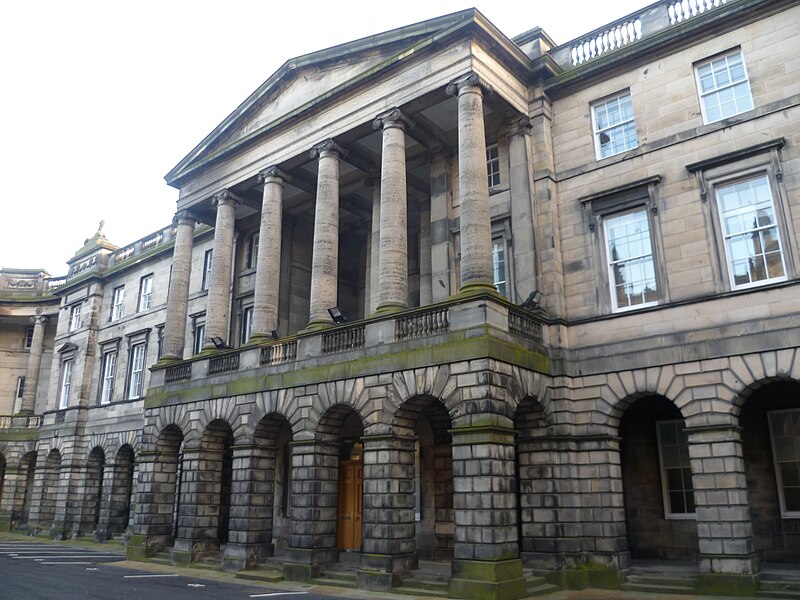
443,295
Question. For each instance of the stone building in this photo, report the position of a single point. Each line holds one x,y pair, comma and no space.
440,294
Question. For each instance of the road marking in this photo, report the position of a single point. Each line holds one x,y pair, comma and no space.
69,562
135,576
196,584
92,569
67,556
276,594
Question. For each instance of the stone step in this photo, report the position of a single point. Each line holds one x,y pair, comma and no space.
268,575
542,588
335,581
407,590
689,581
787,594
658,588
786,585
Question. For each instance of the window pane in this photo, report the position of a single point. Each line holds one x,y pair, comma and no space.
724,88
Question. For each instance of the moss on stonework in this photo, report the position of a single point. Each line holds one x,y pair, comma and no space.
723,584
19,435
457,346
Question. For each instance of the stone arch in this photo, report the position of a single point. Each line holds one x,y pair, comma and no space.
271,465
278,402
27,474
435,381
225,410
768,412
176,416
50,488
657,481
163,483
212,491
349,393
121,489
525,384
93,488
2,474
753,371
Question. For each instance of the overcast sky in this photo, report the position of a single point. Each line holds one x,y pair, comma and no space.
100,99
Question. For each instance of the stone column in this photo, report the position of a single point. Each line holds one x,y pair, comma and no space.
198,511
315,493
388,546
374,244
34,366
486,561
268,271
393,268
103,530
473,188
218,308
325,259
178,295
724,529
13,489
252,498
156,489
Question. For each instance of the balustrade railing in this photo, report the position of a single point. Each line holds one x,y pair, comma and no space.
342,339
180,372
276,354
525,325
12,422
422,324
618,35
55,282
225,363
685,9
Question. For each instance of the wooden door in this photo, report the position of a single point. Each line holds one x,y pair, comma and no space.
351,474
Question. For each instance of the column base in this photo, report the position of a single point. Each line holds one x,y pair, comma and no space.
606,578
725,584
318,325
304,564
728,564
476,288
239,557
142,547
485,580
381,572
388,308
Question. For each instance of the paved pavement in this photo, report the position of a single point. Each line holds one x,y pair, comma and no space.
36,569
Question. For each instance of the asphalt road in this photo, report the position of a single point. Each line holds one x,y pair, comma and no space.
31,570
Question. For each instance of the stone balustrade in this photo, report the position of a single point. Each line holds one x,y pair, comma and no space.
412,329
631,29
20,422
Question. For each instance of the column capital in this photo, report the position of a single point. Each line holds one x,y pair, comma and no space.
466,83
40,320
328,147
185,217
226,197
394,117
518,125
274,173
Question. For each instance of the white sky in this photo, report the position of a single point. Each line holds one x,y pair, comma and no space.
100,99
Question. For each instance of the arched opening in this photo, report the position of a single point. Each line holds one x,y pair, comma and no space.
214,485
342,425
273,436
427,419
770,421
122,491
166,486
657,482
50,486
27,472
2,475
94,488
536,488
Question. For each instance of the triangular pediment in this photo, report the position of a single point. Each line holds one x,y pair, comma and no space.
303,82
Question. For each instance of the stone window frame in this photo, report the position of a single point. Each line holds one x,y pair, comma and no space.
66,373
246,311
715,92
160,340
785,514
136,339
493,166
75,316
596,208
251,250
596,133
20,390
205,281
107,347
27,340
145,301
760,159
117,303
666,490
198,324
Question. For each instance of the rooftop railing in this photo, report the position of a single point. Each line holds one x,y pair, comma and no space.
153,240
631,29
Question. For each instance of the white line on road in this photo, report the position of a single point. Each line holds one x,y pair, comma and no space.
135,576
68,556
69,562
276,594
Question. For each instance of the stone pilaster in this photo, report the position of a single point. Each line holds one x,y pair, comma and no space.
178,294
393,268
34,366
486,561
425,265
13,486
156,489
252,498
388,549
198,511
218,309
522,224
325,259
103,530
374,243
476,224
313,528
120,495
442,264
268,269
724,528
